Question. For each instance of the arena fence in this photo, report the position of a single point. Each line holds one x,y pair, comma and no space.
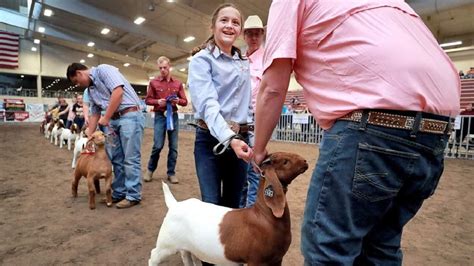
302,128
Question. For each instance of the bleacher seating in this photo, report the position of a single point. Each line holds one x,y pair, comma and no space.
467,92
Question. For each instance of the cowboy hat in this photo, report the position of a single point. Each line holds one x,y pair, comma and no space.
253,22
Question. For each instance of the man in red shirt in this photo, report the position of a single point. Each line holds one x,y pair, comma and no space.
164,94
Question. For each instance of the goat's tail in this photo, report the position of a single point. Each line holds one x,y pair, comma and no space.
169,198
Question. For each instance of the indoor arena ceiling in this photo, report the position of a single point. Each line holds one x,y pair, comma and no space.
167,23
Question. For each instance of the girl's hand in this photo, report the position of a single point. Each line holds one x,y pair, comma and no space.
241,149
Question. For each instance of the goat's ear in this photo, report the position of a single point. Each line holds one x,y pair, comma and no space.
273,194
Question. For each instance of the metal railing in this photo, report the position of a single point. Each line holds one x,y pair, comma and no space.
302,128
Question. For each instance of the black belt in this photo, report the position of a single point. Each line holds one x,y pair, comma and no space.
120,113
429,123
234,126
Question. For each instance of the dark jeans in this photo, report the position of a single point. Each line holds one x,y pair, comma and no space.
79,122
367,184
159,141
221,177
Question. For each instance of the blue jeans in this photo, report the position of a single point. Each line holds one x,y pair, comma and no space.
249,193
124,150
221,177
159,142
367,184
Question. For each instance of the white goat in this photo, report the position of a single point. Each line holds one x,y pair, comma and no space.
68,135
259,235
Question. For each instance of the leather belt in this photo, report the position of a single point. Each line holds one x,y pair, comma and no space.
393,120
120,113
234,126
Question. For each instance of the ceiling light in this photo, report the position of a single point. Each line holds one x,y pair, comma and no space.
90,55
105,31
48,12
448,44
189,39
139,20
41,29
34,49
90,44
37,41
170,1
82,61
182,69
22,76
189,58
126,64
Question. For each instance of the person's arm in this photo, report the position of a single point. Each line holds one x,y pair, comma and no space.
150,98
271,97
182,100
85,110
65,110
92,124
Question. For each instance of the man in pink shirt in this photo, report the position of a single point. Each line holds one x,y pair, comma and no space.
377,81
253,37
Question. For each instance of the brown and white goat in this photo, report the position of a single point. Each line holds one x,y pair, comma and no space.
259,235
94,165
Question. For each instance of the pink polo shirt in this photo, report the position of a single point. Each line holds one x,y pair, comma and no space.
366,54
256,71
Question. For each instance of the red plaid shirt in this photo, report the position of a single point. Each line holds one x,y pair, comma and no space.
160,88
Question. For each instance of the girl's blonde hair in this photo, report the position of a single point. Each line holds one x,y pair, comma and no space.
211,40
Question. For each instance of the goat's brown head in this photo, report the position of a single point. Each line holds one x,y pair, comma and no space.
74,128
98,138
279,169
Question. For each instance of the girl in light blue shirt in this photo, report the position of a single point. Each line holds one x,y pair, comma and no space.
219,84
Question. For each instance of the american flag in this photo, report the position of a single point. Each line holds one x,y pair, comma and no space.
9,44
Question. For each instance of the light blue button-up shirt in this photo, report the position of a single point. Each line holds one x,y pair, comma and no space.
220,90
105,78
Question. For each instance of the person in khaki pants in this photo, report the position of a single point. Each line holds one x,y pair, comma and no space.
165,93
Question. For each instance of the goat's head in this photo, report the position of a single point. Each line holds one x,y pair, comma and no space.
74,128
98,138
279,169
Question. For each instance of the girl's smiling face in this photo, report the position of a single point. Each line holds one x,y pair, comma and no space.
227,28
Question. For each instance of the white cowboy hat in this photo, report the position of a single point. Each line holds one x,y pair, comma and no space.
253,22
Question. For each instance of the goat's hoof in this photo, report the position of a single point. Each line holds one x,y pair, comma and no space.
92,207
109,204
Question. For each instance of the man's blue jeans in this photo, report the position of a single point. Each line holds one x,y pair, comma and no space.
124,150
221,177
159,141
367,184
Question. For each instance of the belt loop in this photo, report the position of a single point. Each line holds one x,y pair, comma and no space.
363,120
416,125
449,127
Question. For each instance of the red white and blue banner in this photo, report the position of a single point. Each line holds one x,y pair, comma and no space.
9,49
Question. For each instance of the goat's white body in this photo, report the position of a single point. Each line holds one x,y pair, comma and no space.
68,136
47,133
190,226
79,145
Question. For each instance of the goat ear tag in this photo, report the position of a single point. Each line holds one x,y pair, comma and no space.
269,192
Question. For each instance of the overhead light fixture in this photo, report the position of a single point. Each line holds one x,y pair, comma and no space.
90,55
90,44
41,29
182,69
139,20
170,1
189,39
22,76
34,49
36,41
189,58
82,61
126,64
448,44
48,12
105,31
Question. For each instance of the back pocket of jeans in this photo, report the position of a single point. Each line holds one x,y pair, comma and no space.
379,172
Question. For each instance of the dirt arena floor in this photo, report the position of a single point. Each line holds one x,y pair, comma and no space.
40,224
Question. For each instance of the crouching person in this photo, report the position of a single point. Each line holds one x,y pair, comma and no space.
110,91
